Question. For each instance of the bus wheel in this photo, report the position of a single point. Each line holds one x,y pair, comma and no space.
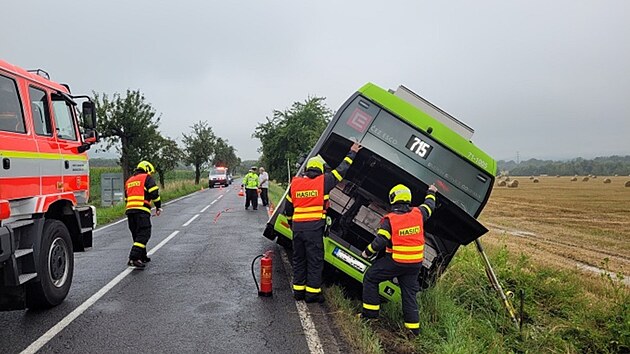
55,267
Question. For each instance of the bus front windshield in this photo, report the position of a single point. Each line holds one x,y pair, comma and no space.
397,146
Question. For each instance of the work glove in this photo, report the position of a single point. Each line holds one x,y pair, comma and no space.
364,254
158,211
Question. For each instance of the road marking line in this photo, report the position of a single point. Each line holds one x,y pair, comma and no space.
191,220
51,333
310,332
206,208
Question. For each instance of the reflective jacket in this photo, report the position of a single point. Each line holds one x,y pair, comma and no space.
407,236
330,180
309,198
250,181
140,190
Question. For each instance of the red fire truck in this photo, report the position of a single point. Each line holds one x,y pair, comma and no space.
44,187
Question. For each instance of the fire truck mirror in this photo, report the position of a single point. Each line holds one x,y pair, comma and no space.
89,115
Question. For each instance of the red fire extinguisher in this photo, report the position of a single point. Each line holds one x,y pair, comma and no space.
266,268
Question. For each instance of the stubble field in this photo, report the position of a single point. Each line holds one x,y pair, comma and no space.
579,224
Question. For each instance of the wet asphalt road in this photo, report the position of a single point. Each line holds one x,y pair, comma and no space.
197,294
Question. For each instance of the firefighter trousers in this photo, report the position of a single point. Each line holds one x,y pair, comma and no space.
308,263
140,227
386,268
251,196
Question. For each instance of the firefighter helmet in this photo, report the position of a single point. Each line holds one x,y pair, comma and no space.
315,162
146,166
400,193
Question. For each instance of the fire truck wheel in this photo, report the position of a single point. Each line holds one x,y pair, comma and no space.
55,267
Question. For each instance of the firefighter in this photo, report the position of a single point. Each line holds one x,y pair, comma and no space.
305,208
250,182
140,190
401,233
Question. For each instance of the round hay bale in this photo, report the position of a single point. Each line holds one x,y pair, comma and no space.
535,180
557,176
574,179
502,183
513,184
594,176
507,178
616,175
585,179
627,184
531,177
607,180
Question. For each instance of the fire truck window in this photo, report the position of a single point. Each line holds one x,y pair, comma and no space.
41,115
11,117
64,120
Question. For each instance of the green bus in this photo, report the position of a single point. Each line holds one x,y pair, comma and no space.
405,140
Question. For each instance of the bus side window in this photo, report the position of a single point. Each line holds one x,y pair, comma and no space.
41,115
11,117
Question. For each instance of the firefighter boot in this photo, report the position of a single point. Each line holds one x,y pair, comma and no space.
298,295
136,263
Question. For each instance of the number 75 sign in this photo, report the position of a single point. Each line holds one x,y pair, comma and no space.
419,146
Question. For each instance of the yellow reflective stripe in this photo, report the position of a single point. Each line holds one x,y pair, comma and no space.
370,248
348,160
412,325
153,188
337,175
371,307
427,208
140,208
299,287
289,199
138,244
308,216
326,196
384,233
135,203
408,257
157,199
313,290
430,196
409,248
308,209
133,197
41,155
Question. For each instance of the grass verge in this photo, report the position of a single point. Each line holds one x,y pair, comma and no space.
564,310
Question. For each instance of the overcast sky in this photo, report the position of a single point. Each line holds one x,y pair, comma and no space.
549,79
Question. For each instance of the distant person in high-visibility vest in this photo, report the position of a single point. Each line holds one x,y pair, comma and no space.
401,234
305,208
250,182
140,190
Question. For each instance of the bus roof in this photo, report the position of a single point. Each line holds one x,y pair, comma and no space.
421,120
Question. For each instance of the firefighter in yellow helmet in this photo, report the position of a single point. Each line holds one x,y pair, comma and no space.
401,234
140,190
305,209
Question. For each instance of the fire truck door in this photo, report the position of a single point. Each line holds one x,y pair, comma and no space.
49,158
74,165
17,179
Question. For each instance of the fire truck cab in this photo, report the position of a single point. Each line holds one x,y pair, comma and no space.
44,187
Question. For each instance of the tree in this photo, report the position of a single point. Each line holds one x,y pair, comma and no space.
129,123
199,147
225,155
291,134
166,156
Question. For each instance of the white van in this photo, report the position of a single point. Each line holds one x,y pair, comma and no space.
218,176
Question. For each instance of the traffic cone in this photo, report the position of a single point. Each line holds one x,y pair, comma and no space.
241,193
